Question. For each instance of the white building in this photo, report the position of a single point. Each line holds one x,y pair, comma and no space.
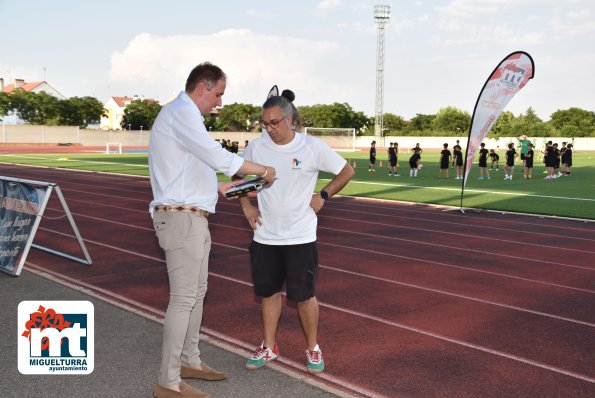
114,111
33,87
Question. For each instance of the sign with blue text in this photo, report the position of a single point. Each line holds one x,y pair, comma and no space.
21,206
22,203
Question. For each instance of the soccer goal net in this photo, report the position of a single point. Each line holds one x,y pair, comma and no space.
113,147
342,139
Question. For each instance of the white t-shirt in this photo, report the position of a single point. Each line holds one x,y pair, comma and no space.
287,218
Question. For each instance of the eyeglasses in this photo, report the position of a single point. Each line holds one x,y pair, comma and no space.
274,124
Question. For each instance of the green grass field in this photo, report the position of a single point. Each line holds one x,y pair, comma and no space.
572,196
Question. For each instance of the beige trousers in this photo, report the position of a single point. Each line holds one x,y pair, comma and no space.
186,240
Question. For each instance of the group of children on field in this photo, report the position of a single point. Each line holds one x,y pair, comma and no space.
553,158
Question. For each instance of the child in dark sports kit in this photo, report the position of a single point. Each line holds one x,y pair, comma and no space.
567,160
557,156
458,161
414,163
483,162
549,158
528,169
509,167
495,158
372,157
392,159
445,156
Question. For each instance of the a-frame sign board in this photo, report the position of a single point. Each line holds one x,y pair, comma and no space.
22,203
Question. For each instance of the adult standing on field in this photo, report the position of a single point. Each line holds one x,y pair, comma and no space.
284,249
182,162
524,146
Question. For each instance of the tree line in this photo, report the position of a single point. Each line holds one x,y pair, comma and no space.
449,121
42,108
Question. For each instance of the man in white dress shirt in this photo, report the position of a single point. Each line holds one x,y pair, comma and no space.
182,163
284,249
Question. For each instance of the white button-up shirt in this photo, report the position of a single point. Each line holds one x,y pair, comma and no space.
183,158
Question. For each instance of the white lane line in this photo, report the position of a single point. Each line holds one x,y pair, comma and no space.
450,247
461,268
480,191
360,249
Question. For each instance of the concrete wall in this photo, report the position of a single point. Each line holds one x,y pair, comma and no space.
28,134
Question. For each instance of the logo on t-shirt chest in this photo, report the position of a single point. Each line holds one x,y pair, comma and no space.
296,164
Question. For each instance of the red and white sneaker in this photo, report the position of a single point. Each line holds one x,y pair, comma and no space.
261,356
315,361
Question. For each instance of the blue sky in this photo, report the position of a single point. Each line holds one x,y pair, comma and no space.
438,53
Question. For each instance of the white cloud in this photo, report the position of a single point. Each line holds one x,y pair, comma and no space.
9,73
360,27
471,8
423,19
253,63
259,14
575,23
493,22
325,6
403,24
328,4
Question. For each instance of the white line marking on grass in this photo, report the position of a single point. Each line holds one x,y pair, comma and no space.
24,157
78,161
480,191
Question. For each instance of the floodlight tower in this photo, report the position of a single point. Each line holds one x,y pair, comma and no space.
382,17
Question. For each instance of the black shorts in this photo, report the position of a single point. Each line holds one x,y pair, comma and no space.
510,164
459,162
393,162
483,163
528,163
522,156
294,265
372,160
444,164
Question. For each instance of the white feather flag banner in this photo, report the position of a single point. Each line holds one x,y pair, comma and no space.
505,81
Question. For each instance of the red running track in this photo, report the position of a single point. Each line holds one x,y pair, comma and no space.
416,301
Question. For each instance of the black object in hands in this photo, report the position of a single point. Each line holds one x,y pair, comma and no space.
245,187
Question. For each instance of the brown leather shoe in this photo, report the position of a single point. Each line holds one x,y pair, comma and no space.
205,374
186,391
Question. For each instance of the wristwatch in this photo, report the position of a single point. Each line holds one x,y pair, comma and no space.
324,195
